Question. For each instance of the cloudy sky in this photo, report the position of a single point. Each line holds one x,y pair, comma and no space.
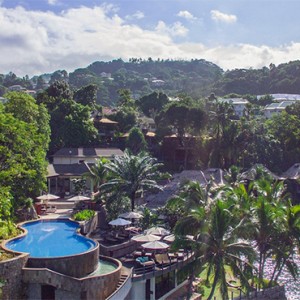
39,36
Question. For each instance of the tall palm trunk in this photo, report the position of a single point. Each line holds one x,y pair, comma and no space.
132,199
190,284
216,278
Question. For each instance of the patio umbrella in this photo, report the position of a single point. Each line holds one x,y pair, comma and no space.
119,222
144,238
157,231
79,198
131,215
170,238
156,245
47,197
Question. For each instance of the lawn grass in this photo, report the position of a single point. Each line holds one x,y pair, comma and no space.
206,289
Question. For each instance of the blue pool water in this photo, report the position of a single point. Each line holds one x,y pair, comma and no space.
51,238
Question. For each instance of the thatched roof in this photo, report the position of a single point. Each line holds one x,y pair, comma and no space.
150,134
293,172
254,171
107,121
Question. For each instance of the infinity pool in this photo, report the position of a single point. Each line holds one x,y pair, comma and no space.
51,238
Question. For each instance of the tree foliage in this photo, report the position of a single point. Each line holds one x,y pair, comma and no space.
136,142
24,135
131,174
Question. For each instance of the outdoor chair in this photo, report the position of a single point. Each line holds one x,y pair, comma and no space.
145,262
51,209
162,260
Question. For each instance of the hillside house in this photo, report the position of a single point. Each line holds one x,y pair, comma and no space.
239,105
276,108
72,163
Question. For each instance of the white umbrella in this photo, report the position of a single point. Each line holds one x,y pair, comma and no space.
47,197
170,238
156,245
157,231
144,238
131,215
119,222
79,198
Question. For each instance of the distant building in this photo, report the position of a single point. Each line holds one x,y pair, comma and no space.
105,75
283,97
69,156
30,92
72,163
16,88
239,105
276,108
158,82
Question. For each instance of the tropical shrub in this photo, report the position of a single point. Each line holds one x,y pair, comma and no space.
84,215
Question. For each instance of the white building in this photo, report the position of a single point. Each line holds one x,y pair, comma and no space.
283,97
67,156
239,105
276,108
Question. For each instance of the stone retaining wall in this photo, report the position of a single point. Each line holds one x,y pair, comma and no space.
78,265
118,250
89,226
11,275
87,288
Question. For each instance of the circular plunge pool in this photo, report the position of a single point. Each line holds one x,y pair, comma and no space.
51,238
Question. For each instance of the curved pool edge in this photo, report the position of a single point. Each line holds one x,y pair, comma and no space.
19,236
111,260
68,264
25,232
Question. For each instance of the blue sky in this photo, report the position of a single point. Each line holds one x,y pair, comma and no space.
38,36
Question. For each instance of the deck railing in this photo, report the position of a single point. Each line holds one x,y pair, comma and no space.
146,272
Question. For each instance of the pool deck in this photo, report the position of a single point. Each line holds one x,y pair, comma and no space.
59,214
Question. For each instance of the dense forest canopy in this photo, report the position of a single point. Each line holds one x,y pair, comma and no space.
197,78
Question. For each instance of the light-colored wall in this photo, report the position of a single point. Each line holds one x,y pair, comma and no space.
65,160
138,290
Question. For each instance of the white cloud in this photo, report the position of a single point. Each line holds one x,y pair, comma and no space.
34,42
221,17
52,2
186,15
176,29
110,8
138,15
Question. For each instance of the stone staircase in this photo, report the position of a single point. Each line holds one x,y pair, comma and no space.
122,279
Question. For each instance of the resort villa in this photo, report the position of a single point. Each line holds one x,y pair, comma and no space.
56,262
57,258
72,163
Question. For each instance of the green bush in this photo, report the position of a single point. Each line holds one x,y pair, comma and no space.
84,215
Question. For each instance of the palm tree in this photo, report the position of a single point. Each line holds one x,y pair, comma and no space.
191,194
221,118
216,246
287,240
131,174
273,224
97,173
222,248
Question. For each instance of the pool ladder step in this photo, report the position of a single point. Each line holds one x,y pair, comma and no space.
121,280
